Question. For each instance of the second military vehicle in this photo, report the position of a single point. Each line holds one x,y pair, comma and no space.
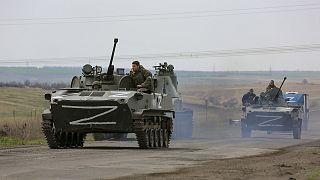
301,101
183,121
272,113
107,102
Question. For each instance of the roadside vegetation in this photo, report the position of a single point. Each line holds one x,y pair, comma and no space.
28,84
20,115
14,141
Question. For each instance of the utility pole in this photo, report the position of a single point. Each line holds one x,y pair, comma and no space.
270,70
206,102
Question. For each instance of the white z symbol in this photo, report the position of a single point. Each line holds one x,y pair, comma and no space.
267,123
291,99
81,121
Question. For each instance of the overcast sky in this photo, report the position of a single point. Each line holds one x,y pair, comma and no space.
37,32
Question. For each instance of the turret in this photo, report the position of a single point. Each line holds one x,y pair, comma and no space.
167,70
94,78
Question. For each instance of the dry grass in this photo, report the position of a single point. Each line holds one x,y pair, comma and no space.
21,127
193,93
20,112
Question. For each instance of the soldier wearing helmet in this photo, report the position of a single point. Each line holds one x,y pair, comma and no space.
270,86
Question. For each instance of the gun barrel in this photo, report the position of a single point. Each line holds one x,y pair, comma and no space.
110,69
284,79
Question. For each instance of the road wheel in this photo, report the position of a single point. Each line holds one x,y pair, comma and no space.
160,134
147,136
143,138
151,138
156,138
50,133
165,138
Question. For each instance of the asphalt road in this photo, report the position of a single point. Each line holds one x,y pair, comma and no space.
106,160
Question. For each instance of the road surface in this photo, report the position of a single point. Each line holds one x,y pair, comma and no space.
108,159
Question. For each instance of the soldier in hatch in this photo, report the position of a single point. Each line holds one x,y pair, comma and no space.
270,86
273,94
248,98
141,77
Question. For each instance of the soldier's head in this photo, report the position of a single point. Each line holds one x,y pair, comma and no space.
135,66
271,83
251,91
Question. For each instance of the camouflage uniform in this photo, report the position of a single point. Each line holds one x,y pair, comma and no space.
262,98
269,89
248,98
142,77
270,86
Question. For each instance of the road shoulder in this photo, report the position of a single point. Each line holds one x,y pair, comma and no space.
293,162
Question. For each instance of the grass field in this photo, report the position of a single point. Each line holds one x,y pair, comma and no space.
20,113
15,141
315,174
196,93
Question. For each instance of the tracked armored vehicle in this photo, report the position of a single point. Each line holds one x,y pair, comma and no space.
183,122
272,114
107,102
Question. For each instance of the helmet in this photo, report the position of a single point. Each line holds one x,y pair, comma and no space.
271,83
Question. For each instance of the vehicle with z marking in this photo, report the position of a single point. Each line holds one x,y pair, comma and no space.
276,113
107,103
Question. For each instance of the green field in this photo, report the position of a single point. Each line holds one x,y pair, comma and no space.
20,114
21,102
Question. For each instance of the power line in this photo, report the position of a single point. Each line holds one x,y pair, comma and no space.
161,14
145,17
181,55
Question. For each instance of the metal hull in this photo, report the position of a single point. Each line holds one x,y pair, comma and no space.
92,116
270,121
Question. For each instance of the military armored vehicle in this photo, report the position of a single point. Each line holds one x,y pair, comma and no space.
272,113
183,121
107,102
301,101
